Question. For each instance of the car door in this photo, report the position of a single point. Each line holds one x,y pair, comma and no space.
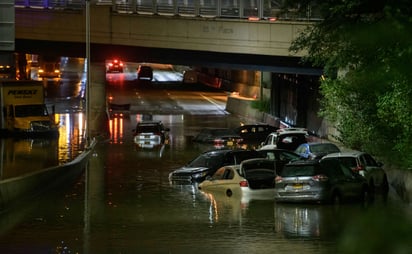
372,168
354,184
223,179
342,178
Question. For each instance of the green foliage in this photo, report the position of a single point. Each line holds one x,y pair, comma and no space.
262,105
371,103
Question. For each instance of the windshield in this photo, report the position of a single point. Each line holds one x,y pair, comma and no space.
207,160
258,164
30,110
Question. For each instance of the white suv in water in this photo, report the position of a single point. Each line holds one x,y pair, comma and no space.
285,138
150,134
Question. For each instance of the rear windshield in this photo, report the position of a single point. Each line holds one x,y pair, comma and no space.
348,161
148,128
300,170
325,148
223,132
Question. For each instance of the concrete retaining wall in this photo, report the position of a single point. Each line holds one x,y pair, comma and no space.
13,190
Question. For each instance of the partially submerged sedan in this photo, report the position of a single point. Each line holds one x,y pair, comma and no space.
254,177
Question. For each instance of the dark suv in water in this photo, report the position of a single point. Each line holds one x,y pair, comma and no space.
208,162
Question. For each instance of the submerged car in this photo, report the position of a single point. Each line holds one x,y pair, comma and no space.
320,181
285,138
208,162
365,165
316,150
150,134
255,133
219,137
254,177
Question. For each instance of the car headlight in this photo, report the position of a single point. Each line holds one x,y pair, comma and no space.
199,175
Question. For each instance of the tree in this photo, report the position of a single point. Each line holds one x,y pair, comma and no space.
369,42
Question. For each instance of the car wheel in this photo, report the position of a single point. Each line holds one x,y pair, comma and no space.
229,192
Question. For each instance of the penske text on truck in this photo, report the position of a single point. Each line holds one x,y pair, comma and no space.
23,110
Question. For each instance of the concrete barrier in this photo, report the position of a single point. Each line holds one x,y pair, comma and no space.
13,190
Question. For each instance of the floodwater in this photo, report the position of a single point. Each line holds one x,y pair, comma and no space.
124,203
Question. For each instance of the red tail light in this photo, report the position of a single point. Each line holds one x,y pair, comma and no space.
278,179
244,183
320,178
218,141
359,168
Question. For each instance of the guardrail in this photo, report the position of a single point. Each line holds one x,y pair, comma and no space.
242,9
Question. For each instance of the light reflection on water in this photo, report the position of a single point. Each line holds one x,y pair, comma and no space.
72,129
23,156
125,204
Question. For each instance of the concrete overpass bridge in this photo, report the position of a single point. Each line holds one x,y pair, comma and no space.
178,32
214,34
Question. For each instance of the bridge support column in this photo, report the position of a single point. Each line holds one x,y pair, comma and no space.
98,115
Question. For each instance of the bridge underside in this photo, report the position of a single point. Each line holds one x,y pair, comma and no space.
102,52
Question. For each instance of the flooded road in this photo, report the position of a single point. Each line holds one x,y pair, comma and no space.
124,202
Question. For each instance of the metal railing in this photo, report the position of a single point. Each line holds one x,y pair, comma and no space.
241,9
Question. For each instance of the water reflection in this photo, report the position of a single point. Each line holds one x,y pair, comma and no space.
22,156
223,207
71,139
308,220
116,128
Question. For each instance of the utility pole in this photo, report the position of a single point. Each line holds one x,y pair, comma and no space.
87,62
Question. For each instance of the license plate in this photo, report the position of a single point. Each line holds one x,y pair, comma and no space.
229,143
297,186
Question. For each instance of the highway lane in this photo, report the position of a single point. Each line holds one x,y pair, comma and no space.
125,203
